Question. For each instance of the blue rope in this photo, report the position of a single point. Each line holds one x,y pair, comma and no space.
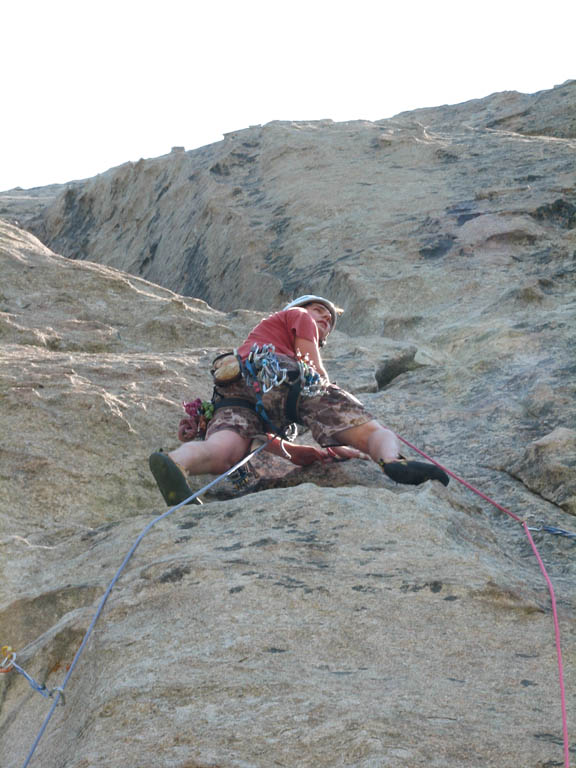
59,692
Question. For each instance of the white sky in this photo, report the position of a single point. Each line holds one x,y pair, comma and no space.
89,85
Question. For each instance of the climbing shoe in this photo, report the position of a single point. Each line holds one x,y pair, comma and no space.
413,472
171,479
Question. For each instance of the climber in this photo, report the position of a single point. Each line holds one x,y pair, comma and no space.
278,377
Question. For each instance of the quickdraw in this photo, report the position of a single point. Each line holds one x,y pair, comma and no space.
553,530
311,383
262,371
262,366
8,664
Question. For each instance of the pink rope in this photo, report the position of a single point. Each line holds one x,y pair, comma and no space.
558,647
546,577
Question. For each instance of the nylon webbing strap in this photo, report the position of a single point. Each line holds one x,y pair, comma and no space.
234,402
292,401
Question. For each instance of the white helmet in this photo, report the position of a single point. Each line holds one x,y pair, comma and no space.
301,301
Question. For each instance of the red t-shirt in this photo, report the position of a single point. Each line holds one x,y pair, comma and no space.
281,329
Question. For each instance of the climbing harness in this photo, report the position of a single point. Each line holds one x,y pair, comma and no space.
57,694
261,372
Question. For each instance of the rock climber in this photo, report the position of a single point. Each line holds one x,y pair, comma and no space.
288,343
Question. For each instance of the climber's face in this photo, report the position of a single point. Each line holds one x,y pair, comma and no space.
322,317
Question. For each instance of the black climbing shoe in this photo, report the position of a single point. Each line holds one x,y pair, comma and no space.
171,480
413,472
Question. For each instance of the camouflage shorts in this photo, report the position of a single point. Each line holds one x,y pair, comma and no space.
325,415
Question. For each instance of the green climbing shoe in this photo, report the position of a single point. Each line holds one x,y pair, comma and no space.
171,479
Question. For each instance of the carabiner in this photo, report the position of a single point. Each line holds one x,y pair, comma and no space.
9,658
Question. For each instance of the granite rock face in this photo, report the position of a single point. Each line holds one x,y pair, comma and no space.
372,213
548,467
327,617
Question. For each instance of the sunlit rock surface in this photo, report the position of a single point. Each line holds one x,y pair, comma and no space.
328,617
